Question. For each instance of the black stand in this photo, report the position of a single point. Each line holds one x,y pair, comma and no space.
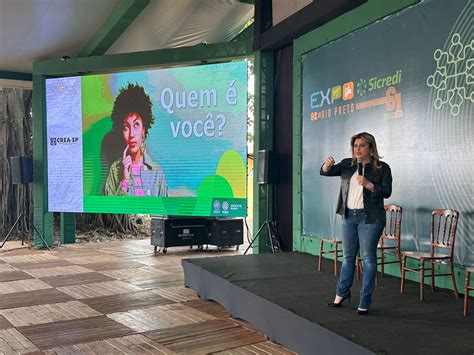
269,224
23,215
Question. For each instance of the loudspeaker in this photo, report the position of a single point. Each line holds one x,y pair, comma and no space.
225,232
168,231
21,169
266,167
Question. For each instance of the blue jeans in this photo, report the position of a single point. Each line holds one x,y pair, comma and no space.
357,235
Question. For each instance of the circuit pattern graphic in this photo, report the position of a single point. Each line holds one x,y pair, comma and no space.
453,79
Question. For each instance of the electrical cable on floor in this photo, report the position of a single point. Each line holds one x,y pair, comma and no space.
249,233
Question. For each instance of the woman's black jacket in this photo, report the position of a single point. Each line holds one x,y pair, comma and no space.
373,201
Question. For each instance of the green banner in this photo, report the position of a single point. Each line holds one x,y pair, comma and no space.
408,80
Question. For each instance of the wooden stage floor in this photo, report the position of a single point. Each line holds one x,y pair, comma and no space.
113,298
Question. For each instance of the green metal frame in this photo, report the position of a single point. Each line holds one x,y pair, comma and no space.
103,64
15,76
118,21
201,53
68,227
247,33
358,18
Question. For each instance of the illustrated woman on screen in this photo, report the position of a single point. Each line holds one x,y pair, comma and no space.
134,174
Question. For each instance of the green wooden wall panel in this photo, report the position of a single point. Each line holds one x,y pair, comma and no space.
43,220
263,139
68,228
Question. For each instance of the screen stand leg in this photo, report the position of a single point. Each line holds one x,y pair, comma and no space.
23,215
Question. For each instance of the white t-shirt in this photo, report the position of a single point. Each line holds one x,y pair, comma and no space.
355,198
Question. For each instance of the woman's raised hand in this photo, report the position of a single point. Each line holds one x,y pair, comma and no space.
328,163
127,164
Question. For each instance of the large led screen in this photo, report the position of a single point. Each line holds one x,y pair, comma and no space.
166,141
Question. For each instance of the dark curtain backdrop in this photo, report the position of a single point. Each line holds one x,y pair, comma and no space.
282,142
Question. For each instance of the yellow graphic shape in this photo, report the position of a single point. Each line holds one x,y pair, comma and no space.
232,167
97,99
336,93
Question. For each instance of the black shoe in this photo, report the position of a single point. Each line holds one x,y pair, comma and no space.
334,304
362,312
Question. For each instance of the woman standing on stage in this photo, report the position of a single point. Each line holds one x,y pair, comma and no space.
365,182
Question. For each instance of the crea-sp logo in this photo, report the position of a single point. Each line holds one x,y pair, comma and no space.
63,140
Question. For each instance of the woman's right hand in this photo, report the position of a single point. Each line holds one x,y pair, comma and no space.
127,164
328,163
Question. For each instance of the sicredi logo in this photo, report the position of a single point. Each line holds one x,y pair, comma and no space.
324,103
346,91
375,83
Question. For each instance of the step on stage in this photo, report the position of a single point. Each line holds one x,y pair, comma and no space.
286,298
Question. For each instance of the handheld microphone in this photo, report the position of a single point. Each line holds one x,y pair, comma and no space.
360,167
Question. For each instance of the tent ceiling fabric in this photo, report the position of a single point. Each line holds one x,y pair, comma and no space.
33,30
172,23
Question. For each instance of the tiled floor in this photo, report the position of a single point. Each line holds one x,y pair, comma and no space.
113,298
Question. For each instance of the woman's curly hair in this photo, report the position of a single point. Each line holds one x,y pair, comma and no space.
132,99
